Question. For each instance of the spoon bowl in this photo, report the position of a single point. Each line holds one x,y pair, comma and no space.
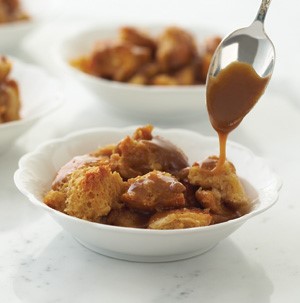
238,75
250,45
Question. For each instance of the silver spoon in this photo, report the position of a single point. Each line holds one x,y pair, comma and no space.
250,45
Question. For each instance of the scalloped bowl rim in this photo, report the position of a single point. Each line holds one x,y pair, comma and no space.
43,147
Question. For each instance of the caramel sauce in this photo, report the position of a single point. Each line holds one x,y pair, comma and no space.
170,156
163,183
71,166
229,97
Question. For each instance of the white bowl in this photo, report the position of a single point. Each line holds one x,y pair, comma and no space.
38,169
152,102
40,94
38,11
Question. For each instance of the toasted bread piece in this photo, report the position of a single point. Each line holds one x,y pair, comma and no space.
89,193
153,192
179,219
137,155
225,181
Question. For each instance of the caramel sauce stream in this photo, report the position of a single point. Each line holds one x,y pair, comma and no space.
229,97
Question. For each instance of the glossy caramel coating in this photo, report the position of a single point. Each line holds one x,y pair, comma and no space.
98,187
153,192
137,155
77,162
226,181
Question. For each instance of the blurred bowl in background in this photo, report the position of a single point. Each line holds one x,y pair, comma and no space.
40,94
38,11
143,101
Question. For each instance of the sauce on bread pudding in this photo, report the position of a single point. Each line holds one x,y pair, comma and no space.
145,181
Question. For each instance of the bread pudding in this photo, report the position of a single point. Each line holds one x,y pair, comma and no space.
173,57
145,181
10,11
9,93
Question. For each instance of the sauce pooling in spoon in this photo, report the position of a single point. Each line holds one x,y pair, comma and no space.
229,97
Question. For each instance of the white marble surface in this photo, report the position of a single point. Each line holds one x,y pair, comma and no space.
259,263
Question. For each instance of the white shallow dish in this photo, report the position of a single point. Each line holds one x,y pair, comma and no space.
38,169
40,94
39,11
152,102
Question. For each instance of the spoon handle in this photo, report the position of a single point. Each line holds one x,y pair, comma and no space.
261,15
